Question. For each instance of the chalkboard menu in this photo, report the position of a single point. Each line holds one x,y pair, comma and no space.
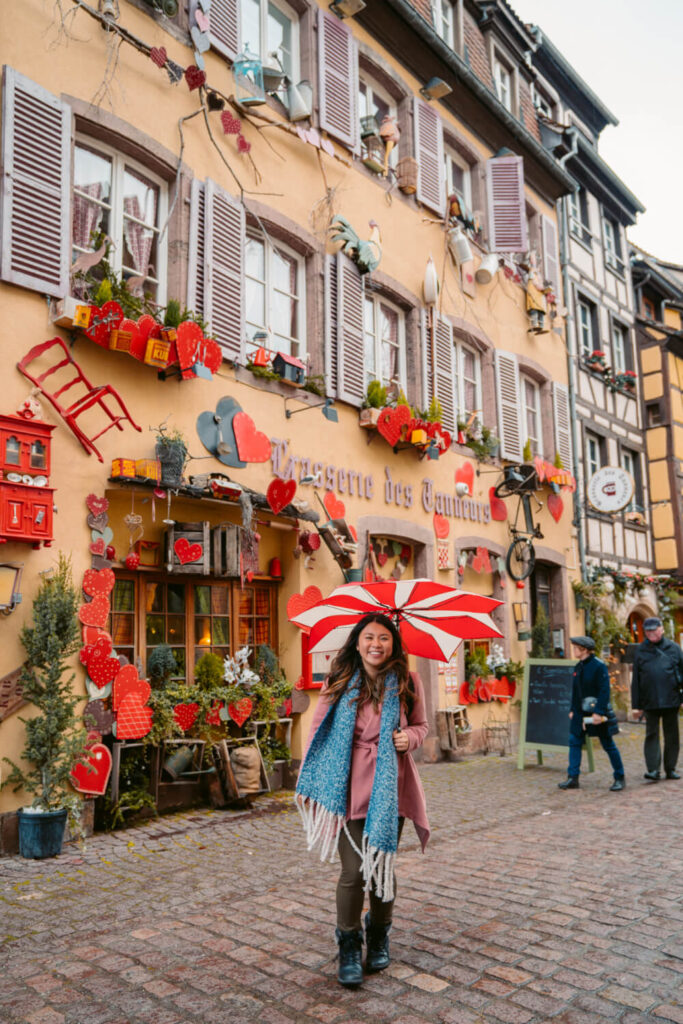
546,702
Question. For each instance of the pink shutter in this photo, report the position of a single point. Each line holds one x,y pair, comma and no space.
443,371
197,248
224,242
35,236
431,189
349,331
338,76
562,421
506,208
224,28
507,393
551,263
427,359
330,285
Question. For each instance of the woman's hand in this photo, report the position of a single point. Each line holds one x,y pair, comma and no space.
401,741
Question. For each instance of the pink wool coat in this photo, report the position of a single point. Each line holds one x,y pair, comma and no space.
411,798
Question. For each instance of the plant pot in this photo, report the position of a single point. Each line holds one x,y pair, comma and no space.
368,418
41,835
171,458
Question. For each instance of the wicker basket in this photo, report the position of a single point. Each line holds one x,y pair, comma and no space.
172,460
406,175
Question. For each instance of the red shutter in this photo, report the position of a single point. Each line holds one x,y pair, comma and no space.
330,285
431,189
224,235
440,369
507,391
35,236
551,263
197,248
224,27
349,331
506,207
562,418
338,70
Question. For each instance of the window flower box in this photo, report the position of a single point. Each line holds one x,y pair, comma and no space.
368,418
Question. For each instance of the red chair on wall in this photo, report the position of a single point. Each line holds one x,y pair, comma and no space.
92,395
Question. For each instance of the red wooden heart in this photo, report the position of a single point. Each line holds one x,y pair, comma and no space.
249,576
465,475
441,526
213,716
93,776
252,444
499,509
92,633
336,509
97,547
95,613
103,321
187,552
185,715
299,603
539,466
128,683
98,506
442,438
210,354
240,711
391,422
98,581
555,506
132,560
477,563
231,125
158,55
483,554
189,338
138,343
464,695
194,77
101,667
382,558
148,327
134,719
280,493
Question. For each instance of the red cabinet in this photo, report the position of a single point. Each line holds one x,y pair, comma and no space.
26,502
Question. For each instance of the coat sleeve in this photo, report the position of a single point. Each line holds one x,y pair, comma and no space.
417,727
603,691
635,685
318,715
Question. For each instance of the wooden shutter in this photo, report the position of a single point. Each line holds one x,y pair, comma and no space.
197,248
551,263
438,363
507,393
562,419
506,206
431,189
224,242
224,27
338,76
35,234
330,304
349,332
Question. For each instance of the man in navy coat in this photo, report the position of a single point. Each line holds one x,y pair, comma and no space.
591,680
656,687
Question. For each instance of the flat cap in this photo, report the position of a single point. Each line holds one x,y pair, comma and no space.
583,641
654,622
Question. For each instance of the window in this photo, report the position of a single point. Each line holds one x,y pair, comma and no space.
593,455
383,342
587,327
374,101
531,413
502,81
274,296
467,381
271,31
115,196
579,223
612,241
444,21
543,103
621,349
458,177
653,414
630,461
649,309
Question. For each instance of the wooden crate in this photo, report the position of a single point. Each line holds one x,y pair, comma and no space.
193,533
227,776
225,550
452,727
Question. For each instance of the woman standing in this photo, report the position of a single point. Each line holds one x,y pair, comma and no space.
358,783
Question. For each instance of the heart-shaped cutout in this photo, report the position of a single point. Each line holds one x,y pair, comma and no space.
98,582
252,444
465,475
231,125
499,510
98,547
138,343
187,552
483,554
336,509
280,493
133,720
555,506
128,683
97,716
392,422
299,603
98,506
210,354
97,522
441,526
202,20
93,633
95,613
189,337
106,536
103,321
96,692
101,667
477,564
382,558
213,431
158,55
194,77
92,776
186,715
240,711
213,715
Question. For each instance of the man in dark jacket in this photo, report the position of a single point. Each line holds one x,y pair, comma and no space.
656,689
591,680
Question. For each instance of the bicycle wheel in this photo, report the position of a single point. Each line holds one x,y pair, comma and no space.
520,559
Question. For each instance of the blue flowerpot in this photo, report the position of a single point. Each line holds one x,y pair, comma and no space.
41,835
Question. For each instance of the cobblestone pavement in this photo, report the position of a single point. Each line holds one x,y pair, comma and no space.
530,905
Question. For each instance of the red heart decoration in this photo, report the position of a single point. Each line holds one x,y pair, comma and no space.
441,436
499,509
98,581
299,603
103,321
202,20
95,613
252,444
555,506
483,554
148,327
97,547
132,560
441,526
189,338
101,667
213,716
91,634
98,506
158,55
465,475
477,563
194,77
382,558
391,422
210,354
464,695
231,125
187,552
250,575
280,493
240,711
93,776
185,715
539,466
134,719
336,509
127,683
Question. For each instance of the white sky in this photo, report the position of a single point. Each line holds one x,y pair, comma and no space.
631,55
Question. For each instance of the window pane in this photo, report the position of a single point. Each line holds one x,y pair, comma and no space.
263,601
176,598
202,599
123,630
251,25
179,655
255,305
219,601
140,203
123,598
202,631
92,188
279,37
175,626
221,631
283,314
154,629
246,602
283,270
255,262
154,597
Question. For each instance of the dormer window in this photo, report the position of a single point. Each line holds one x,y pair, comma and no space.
502,81
444,21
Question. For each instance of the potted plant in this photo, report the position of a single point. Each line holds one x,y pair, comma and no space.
171,452
54,741
375,401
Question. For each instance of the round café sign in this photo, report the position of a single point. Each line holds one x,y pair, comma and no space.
610,489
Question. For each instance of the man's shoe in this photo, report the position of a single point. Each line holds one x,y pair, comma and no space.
652,776
377,939
571,783
673,775
617,785
350,972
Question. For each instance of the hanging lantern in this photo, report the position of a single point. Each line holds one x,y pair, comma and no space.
459,245
487,269
248,72
430,286
300,100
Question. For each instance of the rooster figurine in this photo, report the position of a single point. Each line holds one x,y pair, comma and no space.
389,133
365,254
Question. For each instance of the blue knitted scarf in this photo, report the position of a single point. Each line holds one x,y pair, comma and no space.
322,788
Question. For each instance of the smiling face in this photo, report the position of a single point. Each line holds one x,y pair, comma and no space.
375,644
655,635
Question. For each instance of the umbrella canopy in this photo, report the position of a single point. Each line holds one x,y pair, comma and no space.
433,619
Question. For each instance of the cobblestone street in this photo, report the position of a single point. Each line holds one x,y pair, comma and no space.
529,905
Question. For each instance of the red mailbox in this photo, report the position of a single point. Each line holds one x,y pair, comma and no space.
26,502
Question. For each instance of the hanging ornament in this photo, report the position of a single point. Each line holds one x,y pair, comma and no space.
242,145
231,124
214,101
174,71
194,77
158,55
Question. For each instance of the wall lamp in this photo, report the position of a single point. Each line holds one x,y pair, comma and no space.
435,88
520,610
328,410
10,584
347,8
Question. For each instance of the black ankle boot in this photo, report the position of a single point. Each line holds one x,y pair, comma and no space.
350,958
571,782
377,940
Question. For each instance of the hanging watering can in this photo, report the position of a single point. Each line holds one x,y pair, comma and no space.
487,269
300,100
179,761
459,245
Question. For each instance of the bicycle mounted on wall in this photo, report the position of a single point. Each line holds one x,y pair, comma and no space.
521,482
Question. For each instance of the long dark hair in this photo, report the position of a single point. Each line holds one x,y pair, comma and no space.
348,661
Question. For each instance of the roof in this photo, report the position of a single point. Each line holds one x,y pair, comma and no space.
292,360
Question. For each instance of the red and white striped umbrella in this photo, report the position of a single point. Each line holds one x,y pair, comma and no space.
433,619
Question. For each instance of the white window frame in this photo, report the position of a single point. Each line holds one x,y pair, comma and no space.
377,300
593,464
459,379
444,23
119,162
612,247
269,248
619,347
628,459
291,16
579,228
543,103
452,156
536,442
583,307
501,71
366,79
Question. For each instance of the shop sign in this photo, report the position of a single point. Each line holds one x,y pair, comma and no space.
610,489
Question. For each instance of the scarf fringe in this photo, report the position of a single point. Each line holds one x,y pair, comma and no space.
322,826
377,867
